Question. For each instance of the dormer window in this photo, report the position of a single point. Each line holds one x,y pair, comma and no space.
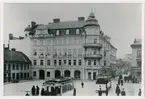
57,32
67,32
77,31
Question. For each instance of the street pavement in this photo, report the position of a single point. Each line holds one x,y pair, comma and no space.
18,89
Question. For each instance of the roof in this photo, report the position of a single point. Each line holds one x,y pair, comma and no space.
67,24
15,56
41,27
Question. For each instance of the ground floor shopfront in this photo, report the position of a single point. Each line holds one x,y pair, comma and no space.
79,74
136,72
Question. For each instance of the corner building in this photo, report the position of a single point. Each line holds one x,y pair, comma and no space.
77,49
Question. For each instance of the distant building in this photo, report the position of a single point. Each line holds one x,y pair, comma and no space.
77,49
16,65
136,58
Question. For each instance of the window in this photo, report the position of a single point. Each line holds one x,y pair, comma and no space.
35,52
57,32
89,62
67,31
69,63
25,66
95,41
17,67
80,62
28,75
13,75
77,31
55,62
48,74
48,62
95,51
21,75
13,66
41,62
9,67
104,53
104,63
74,62
64,61
34,73
94,62
21,66
5,66
59,62
139,63
28,66
139,53
35,62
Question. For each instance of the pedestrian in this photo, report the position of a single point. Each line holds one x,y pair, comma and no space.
42,92
139,93
74,92
33,90
100,92
106,91
118,81
37,90
117,90
82,85
121,82
123,93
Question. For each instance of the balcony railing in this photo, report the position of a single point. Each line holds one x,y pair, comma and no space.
92,56
99,45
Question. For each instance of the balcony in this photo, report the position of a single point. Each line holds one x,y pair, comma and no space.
98,45
92,56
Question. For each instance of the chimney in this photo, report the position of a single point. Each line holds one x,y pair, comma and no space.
13,49
57,20
81,18
33,24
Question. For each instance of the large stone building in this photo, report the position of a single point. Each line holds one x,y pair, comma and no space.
136,58
16,65
77,49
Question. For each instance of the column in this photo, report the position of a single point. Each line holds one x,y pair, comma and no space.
72,73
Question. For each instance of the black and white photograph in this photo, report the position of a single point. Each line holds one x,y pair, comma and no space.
72,49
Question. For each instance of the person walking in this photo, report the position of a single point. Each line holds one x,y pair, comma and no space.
82,85
74,92
123,93
121,82
37,90
33,90
117,90
100,92
139,93
42,92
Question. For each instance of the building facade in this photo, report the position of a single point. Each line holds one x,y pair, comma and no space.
136,58
77,49
17,65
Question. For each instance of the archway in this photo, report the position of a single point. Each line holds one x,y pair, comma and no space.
66,73
41,74
77,74
57,74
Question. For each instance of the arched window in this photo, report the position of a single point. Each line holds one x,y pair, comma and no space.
77,31
67,31
57,32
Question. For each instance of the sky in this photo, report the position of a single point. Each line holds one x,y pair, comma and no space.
122,22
